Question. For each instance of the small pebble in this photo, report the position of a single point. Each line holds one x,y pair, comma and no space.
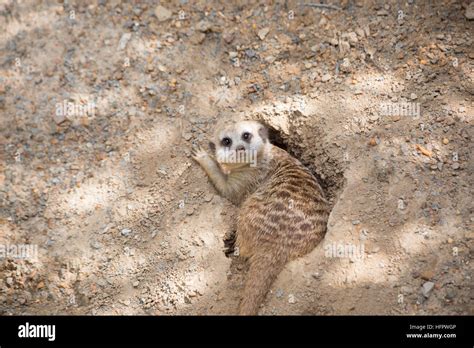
326,77
262,33
450,294
126,232
426,289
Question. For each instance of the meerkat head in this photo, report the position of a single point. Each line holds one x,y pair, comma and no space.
239,144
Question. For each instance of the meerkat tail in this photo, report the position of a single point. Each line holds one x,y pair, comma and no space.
262,273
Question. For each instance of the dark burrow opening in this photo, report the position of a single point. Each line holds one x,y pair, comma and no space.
320,160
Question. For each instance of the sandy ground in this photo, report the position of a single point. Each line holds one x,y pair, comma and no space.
102,102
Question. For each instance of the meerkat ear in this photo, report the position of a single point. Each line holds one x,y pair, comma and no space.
263,132
212,146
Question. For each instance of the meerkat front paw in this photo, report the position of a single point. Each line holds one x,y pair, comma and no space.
200,155
229,243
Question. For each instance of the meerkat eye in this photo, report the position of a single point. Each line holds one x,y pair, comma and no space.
226,141
246,136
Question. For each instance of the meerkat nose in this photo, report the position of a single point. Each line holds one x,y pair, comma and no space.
240,148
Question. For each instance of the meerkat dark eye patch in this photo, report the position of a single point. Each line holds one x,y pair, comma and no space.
212,146
263,132
226,141
247,137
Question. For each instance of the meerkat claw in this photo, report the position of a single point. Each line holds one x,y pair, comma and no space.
198,153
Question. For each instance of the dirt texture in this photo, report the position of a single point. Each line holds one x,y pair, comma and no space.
101,103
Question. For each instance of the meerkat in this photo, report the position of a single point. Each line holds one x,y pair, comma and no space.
283,210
